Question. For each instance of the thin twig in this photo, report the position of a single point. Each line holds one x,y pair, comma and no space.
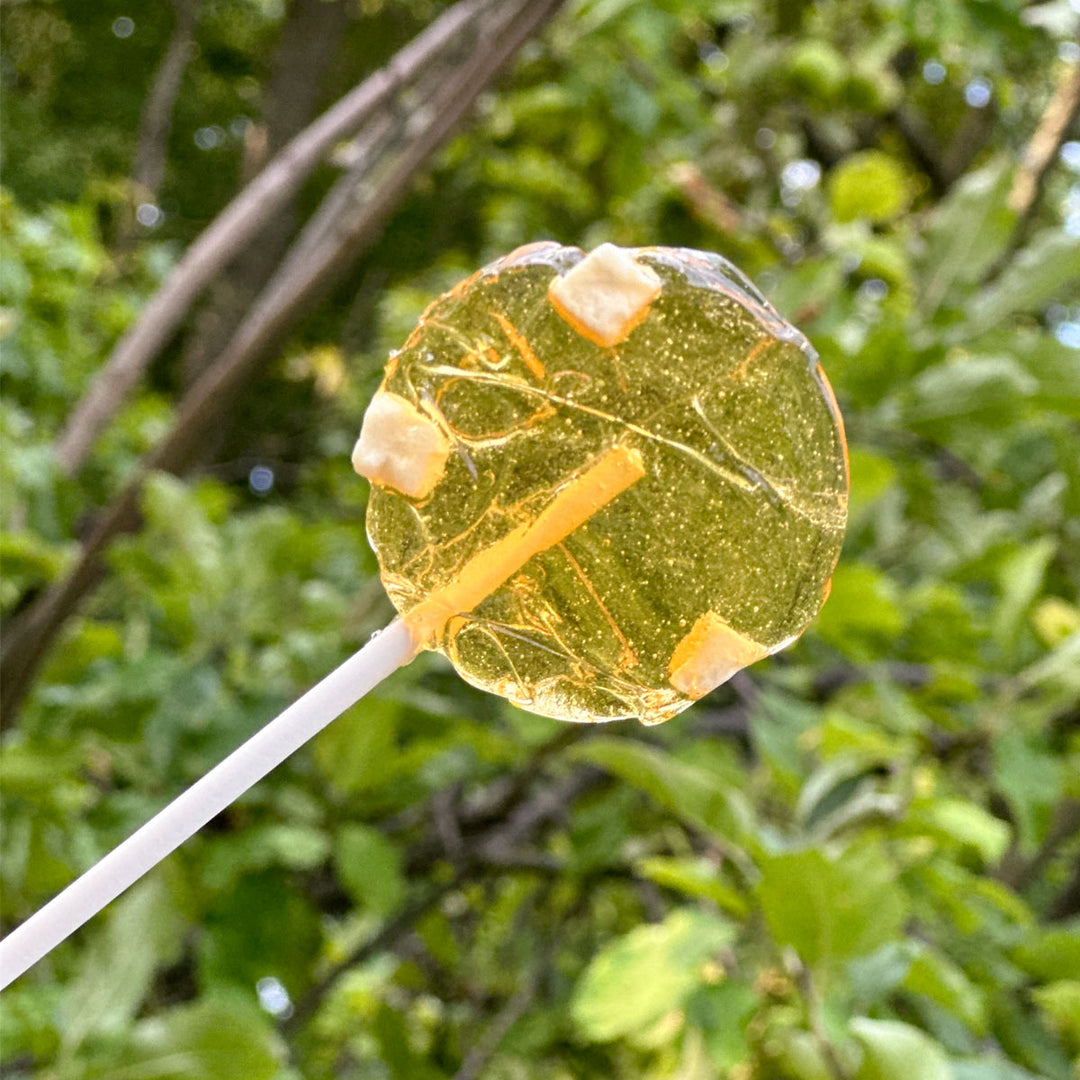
550,804
444,806
385,939
547,806
1018,872
151,152
816,1015
481,1053
1030,179
1058,117
706,202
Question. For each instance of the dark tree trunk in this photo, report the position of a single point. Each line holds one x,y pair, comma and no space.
307,48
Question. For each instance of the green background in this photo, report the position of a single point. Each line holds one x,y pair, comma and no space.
857,861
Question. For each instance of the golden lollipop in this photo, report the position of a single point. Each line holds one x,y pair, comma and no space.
602,484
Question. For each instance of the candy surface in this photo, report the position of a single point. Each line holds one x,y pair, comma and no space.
612,481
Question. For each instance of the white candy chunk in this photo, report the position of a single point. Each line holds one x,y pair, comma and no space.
709,655
400,447
606,295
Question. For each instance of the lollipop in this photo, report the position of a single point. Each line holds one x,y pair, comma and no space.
601,485
639,464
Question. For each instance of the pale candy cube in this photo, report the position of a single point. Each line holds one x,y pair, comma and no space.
709,655
606,295
400,447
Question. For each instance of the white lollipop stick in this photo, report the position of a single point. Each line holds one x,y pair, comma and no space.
572,505
189,812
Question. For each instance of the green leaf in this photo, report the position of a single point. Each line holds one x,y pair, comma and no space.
869,185
298,847
635,106
723,1012
641,977
84,642
830,909
693,877
357,751
965,823
1025,1038
878,257
48,782
786,724
391,1029
215,1039
1052,954
800,1056
990,1068
1021,578
871,476
143,932
369,866
862,617
893,1050
1054,365
31,558
943,982
875,977
691,792
243,938
988,388
1030,776
1059,1002
817,68
1048,268
1055,620
968,231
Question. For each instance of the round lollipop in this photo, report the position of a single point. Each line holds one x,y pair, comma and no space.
601,484
604,483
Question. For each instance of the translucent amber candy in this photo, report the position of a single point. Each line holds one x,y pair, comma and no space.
602,484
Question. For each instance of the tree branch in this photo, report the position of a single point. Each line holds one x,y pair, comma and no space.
400,925
305,54
1030,179
1017,872
238,223
549,804
482,1051
152,149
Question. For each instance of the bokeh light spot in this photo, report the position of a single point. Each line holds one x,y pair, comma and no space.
1068,333
873,289
261,479
977,93
274,998
934,72
148,215
207,138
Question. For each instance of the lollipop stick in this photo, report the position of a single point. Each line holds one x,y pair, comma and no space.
186,814
615,470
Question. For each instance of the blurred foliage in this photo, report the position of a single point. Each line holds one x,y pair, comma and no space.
858,861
